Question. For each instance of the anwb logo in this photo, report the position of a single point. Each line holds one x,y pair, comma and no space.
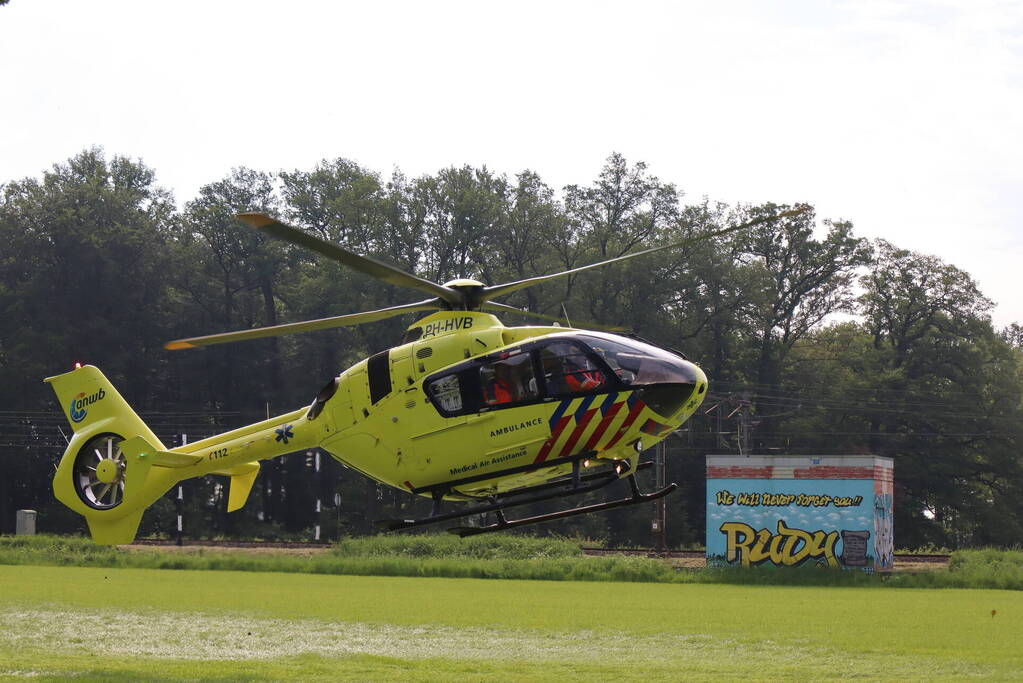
79,405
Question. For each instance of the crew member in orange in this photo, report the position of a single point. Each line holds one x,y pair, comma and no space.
583,380
500,388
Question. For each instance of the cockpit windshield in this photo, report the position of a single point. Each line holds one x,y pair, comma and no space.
639,364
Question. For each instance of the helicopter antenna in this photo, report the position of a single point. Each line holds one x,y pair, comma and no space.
565,311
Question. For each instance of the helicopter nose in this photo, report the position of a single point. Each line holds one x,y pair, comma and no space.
673,397
699,377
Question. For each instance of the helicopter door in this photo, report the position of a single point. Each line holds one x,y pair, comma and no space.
440,442
358,390
369,384
510,421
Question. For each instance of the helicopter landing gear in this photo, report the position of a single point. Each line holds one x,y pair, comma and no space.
636,498
575,484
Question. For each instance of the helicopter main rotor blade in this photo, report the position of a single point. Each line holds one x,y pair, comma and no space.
363,264
504,308
307,326
498,290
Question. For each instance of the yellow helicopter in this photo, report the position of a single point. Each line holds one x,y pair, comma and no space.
464,409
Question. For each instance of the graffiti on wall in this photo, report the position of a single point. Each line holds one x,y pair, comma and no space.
804,500
884,542
786,523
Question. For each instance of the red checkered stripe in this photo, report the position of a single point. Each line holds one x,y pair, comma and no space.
590,423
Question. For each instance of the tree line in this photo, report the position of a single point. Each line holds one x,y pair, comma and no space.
816,341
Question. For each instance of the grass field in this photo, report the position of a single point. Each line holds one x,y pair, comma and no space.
131,624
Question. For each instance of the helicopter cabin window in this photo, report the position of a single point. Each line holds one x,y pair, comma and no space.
447,393
567,369
508,380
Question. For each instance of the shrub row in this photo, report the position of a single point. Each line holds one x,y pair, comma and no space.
490,547
502,557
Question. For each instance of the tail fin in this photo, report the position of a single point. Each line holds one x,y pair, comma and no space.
94,471
91,403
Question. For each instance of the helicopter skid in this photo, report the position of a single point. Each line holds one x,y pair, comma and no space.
603,478
635,499
577,483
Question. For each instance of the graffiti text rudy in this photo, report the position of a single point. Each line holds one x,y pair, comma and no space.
788,547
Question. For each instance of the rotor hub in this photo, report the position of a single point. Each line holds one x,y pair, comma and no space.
469,290
108,471
464,284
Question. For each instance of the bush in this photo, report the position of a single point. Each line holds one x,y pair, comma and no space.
487,547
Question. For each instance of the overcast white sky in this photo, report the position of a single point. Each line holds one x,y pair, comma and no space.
905,117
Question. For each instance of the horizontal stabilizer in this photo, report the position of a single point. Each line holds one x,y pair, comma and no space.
170,459
139,446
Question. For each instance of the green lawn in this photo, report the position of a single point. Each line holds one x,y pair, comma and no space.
129,624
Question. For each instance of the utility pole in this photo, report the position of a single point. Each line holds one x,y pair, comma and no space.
743,406
658,526
743,430
179,502
745,424
719,429
316,467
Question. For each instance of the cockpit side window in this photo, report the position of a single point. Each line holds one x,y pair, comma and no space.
508,380
623,360
568,370
447,393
